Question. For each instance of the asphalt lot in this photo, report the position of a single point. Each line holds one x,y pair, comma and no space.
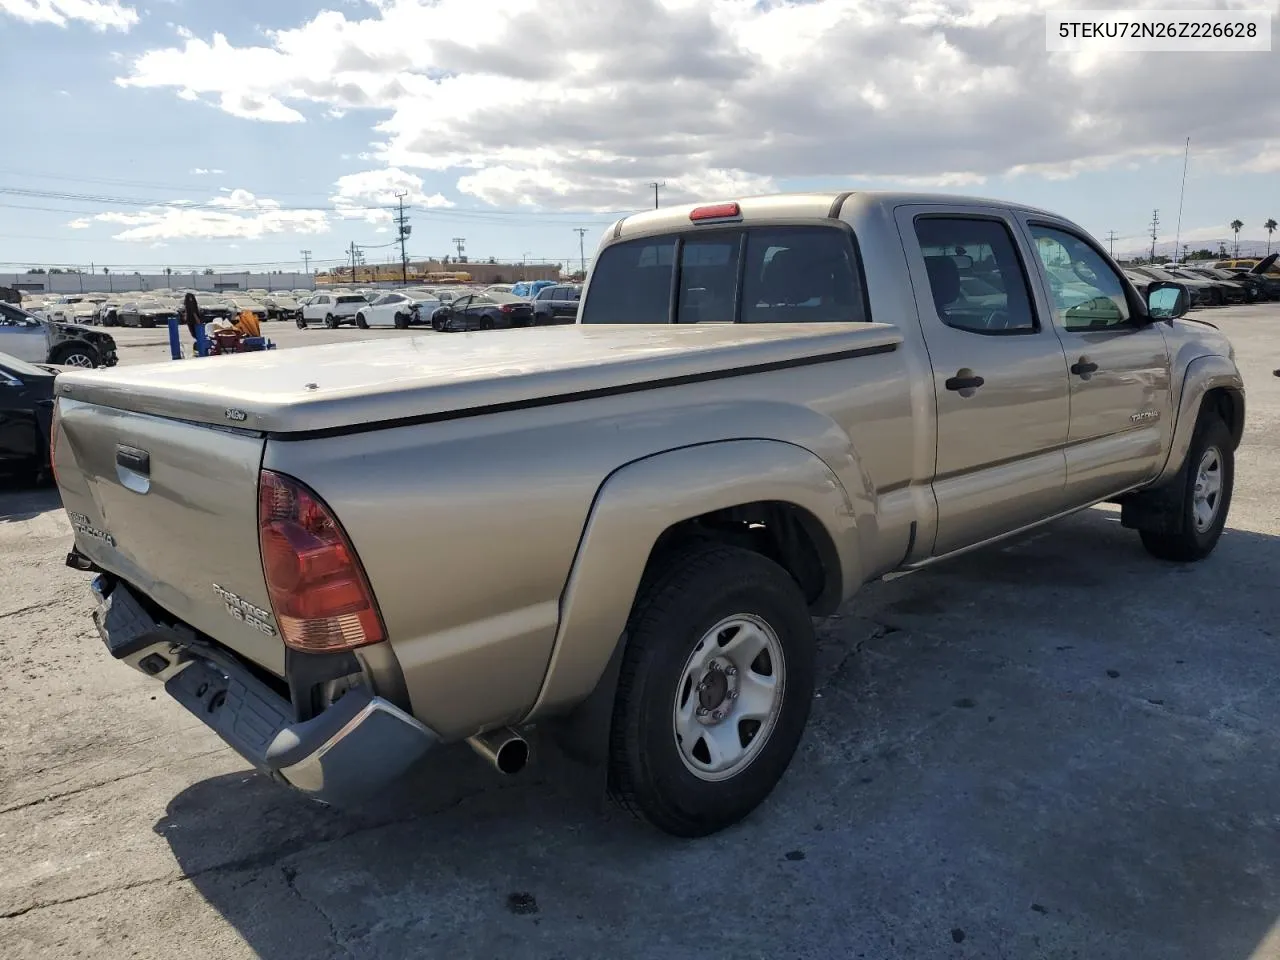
1058,748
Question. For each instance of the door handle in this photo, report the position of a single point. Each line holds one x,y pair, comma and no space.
971,382
131,458
1084,367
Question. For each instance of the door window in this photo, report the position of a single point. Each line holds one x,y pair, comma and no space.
1086,292
801,275
975,275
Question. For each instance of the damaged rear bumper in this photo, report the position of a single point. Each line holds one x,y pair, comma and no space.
345,754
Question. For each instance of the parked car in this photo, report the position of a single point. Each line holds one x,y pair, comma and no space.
1203,292
1262,277
556,304
211,307
35,340
397,309
498,288
146,313
528,289
705,490
332,309
282,307
1235,290
26,408
482,311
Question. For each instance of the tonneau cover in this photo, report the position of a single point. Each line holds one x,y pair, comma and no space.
340,385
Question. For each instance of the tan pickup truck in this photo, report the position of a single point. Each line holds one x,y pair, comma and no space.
341,556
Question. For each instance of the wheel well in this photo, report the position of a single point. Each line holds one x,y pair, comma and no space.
789,535
66,346
1230,408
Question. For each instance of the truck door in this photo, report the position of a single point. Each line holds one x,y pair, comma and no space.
1121,404
999,373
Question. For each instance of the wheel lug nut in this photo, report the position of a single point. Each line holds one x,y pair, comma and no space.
731,671
702,711
733,694
717,715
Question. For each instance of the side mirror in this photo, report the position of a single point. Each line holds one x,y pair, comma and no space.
1167,301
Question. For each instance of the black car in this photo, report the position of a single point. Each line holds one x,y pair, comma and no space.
558,304
1266,285
26,408
483,311
145,313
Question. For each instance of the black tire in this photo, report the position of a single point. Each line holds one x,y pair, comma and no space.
147,323
696,590
331,321
75,355
302,323
1190,544
486,323
361,322
437,324
401,321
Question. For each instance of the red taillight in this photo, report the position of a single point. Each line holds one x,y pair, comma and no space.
716,211
318,591
506,308
53,439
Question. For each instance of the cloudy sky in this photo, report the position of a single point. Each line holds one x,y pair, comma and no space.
182,132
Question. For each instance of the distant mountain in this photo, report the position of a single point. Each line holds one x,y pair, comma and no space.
1165,248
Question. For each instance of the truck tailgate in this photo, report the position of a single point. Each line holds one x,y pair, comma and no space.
171,507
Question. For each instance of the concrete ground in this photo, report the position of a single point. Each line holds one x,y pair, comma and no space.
1059,748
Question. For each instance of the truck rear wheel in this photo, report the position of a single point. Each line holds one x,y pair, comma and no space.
1205,496
714,690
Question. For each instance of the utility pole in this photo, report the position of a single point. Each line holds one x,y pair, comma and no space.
460,242
655,184
306,261
403,222
357,259
1111,241
582,256
1155,226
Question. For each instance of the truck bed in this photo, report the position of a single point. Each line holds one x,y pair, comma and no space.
334,387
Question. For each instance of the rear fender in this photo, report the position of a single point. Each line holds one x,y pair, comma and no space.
631,510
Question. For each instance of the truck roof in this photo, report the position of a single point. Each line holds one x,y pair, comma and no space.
788,206
344,387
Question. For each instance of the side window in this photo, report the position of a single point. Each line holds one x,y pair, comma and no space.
975,275
801,275
1086,293
631,283
708,278
546,293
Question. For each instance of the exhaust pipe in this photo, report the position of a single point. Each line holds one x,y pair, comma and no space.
505,749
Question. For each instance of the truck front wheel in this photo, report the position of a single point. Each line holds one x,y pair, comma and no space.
1205,496
714,690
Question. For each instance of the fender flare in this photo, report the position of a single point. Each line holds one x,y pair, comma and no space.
1203,374
635,505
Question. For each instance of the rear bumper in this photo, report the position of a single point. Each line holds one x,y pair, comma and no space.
346,754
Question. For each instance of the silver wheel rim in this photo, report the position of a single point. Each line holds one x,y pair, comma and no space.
77,360
1207,494
728,697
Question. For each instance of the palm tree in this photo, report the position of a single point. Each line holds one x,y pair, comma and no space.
1236,225
1270,227
168,272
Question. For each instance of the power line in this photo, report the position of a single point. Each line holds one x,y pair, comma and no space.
460,242
1155,226
1111,239
306,261
655,184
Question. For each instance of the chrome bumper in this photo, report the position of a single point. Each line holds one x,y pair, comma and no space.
347,753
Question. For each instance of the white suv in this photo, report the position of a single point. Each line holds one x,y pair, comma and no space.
333,309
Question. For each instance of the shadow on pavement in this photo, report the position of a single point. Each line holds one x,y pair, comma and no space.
20,501
1056,748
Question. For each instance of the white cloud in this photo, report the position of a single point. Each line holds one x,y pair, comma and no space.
722,97
79,223
99,14
238,214
205,171
369,195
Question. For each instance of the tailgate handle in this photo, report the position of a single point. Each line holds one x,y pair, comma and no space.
131,458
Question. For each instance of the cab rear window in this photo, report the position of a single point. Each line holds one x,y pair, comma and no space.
801,274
